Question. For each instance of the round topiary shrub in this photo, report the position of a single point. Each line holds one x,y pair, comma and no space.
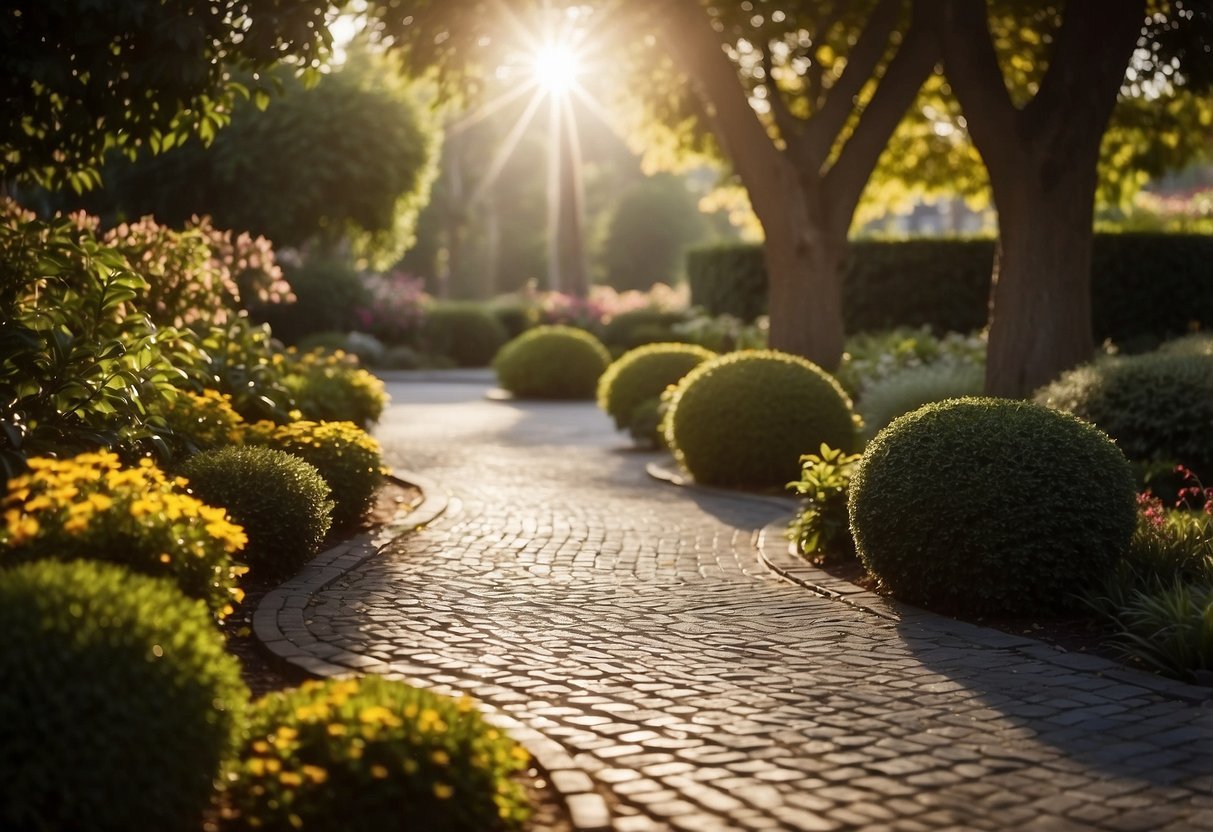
1157,406
552,362
119,703
744,419
375,755
281,501
349,459
643,374
467,333
991,506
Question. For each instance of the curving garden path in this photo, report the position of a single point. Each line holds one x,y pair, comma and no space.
671,680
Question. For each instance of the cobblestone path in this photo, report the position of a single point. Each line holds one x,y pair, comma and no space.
633,624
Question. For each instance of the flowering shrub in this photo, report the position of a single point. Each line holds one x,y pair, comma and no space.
204,420
90,506
821,527
249,261
348,458
414,759
395,306
332,387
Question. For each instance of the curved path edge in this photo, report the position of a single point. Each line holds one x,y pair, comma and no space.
778,554
280,625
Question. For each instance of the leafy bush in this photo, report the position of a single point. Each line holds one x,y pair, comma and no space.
1169,630
281,501
643,374
243,360
204,420
729,280
1156,406
120,702
415,760
328,293
92,507
394,309
552,362
871,357
723,333
467,333
332,387
991,506
348,458
820,528
910,389
516,316
629,330
744,419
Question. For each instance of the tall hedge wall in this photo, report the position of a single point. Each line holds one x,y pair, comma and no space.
1144,286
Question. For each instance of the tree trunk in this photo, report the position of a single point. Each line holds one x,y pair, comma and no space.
1040,318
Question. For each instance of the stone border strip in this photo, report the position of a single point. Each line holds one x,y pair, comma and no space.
280,625
777,552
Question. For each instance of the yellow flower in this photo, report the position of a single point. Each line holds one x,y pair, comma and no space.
442,791
379,772
315,773
21,527
290,778
440,758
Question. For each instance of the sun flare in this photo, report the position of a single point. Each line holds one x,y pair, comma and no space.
556,67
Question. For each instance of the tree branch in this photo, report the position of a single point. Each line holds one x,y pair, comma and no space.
862,62
915,60
791,128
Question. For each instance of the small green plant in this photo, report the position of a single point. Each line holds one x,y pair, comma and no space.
991,506
281,501
414,759
242,360
745,418
821,527
331,387
871,357
91,506
120,702
1169,630
552,362
348,458
643,374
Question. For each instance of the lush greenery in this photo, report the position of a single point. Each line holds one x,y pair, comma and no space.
91,506
119,704
642,375
871,357
466,333
332,387
552,362
648,233
281,502
413,759
911,388
1145,287
821,527
1157,406
744,419
991,506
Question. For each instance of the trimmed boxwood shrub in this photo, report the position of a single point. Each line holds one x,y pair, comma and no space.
552,362
375,755
643,374
119,702
991,506
281,501
1145,287
1157,406
744,419
467,333
349,459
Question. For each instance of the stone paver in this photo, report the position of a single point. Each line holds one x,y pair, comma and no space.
635,629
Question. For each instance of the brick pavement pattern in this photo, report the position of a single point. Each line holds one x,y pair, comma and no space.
633,625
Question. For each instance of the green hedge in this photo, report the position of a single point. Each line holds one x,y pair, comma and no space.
1144,286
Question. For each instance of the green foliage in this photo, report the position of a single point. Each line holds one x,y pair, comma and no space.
744,419
638,327
911,388
552,362
648,233
81,77
467,333
645,425
871,357
203,420
331,387
1157,406
348,458
723,333
327,290
281,501
1144,286
991,506
821,527
122,702
414,759
1169,630
91,507
643,374
242,360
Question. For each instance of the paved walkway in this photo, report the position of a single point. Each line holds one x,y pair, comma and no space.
633,625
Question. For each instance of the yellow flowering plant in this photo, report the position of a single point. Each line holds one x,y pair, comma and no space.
91,506
332,387
204,420
349,459
415,759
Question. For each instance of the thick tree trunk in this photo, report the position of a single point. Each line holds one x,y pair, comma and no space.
1040,321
